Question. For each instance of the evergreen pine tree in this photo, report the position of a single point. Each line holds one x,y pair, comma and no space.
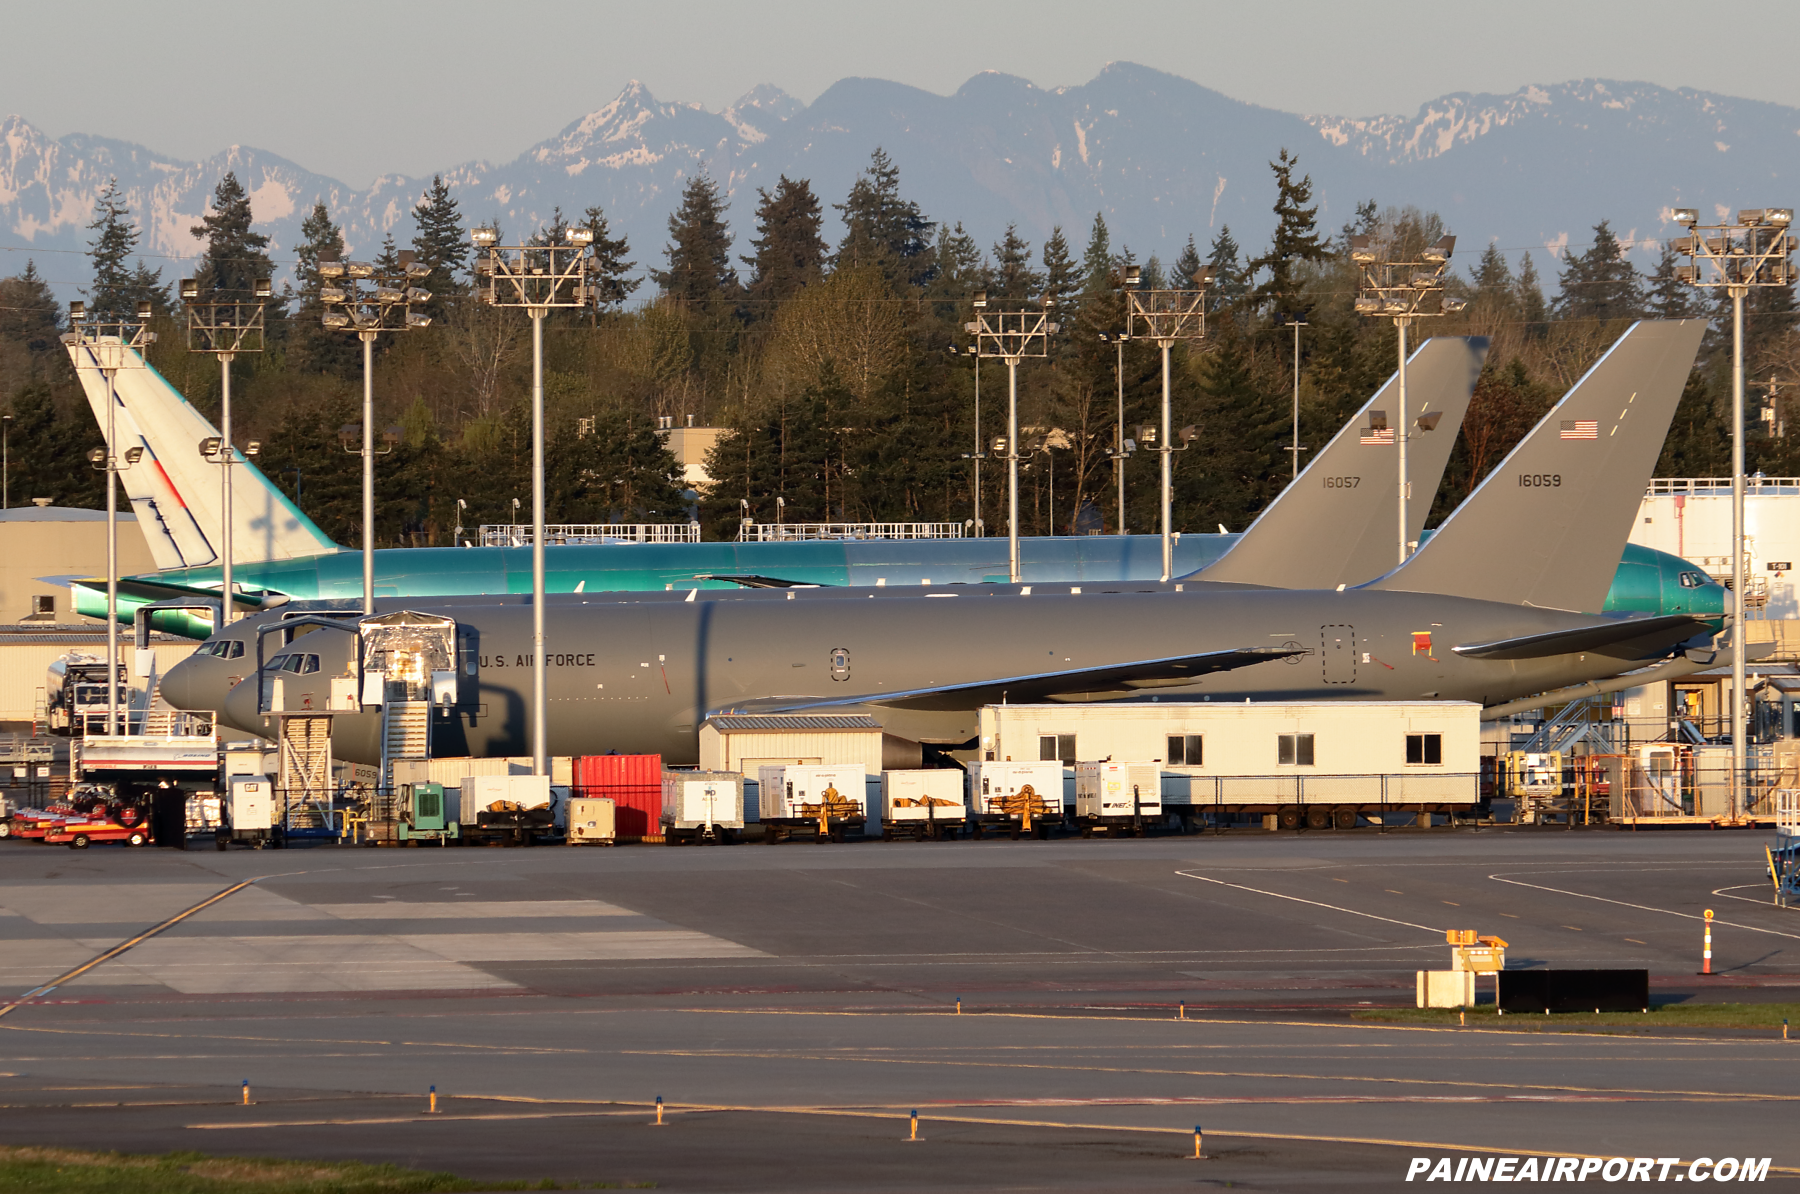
315,347
49,451
29,312
1533,311
1296,240
441,243
883,229
1496,295
1060,279
235,257
612,269
1187,264
790,253
699,248
1667,296
1230,280
1014,279
959,269
1153,276
112,296
1600,284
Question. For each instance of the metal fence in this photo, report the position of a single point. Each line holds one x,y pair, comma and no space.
576,533
1716,486
777,532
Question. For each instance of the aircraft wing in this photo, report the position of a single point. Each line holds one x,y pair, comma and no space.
161,590
1143,673
749,581
1626,638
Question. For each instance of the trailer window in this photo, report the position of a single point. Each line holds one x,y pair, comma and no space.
1056,748
1425,749
1185,750
1294,750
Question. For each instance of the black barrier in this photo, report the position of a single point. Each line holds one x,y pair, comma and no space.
1573,990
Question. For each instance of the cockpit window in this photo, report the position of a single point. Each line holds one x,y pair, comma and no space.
1693,580
296,663
224,649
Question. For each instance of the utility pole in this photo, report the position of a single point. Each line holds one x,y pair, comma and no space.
1750,253
1167,316
224,325
537,278
110,347
1404,291
1011,336
359,298
1122,447
1297,324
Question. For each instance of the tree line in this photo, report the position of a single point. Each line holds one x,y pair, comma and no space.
831,366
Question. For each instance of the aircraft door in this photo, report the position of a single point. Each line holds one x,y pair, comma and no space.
1337,645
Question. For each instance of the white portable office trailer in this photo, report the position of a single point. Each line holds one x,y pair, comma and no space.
1317,763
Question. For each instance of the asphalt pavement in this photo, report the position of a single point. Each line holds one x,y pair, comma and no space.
1060,1014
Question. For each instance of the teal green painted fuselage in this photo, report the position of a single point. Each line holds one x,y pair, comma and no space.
1647,581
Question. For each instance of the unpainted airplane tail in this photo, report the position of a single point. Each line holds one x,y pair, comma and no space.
1546,527
1336,524
175,491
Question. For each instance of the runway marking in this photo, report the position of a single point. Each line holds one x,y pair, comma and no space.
116,950
1581,895
862,1112
1724,893
1738,1096
486,910
1315,903
1635,941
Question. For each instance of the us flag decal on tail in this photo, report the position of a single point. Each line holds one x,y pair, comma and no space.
1580,429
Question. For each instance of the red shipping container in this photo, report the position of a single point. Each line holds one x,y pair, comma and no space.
632,782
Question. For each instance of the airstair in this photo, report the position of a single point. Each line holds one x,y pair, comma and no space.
303,783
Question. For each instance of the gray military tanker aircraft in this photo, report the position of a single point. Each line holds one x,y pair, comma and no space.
1491,619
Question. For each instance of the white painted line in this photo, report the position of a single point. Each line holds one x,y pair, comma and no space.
1581,895
1315,903
484,910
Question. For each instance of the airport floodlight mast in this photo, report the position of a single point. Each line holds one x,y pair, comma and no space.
1403,291
112,345
365,299
537,278
1166,316
1012,336
1296,324
1122,447
224,326
1752,252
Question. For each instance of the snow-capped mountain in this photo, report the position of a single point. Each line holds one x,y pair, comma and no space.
1162,157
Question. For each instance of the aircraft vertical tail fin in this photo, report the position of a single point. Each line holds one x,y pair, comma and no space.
1546,527
175,491
1336,523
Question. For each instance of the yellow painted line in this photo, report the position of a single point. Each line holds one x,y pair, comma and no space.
986,1121
116,950
1240,1074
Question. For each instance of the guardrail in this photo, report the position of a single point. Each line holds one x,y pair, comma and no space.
1718,486
574,533
777,532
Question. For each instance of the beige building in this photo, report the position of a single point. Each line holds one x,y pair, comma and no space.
689,445
39,544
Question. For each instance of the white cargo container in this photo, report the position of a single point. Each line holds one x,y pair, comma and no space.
1118,795
591,821
922,803
247,812
785,793
701,805
1318,763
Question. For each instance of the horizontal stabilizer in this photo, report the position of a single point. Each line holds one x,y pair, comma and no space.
144,589
1626,638
759,582
1144,673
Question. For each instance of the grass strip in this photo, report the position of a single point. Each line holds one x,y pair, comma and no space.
35,1170
1668,1015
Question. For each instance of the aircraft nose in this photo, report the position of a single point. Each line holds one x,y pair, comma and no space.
183,683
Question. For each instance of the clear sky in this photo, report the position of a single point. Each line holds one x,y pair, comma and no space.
374,86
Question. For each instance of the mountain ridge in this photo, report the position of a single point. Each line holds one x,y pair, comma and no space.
1161,156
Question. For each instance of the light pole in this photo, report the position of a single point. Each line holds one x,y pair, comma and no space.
1403,291
536,278
112,346
1011,336
361,298
1167,316
978,455
1122,447
1297,449
1752,252
224,327
5,460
